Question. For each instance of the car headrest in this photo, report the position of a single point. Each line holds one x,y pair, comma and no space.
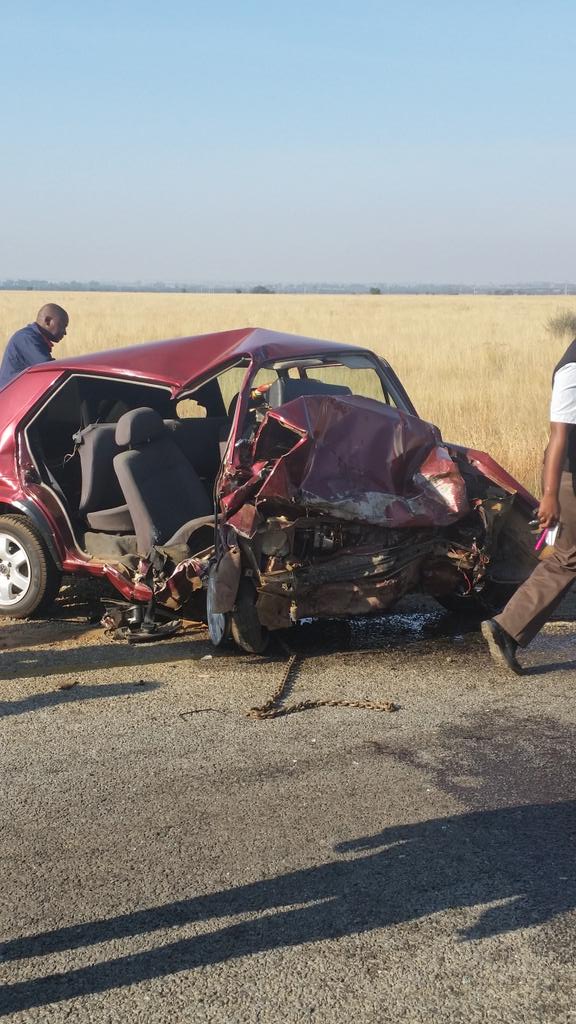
287,389
139,426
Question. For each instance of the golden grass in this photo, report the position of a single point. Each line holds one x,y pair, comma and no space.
477,366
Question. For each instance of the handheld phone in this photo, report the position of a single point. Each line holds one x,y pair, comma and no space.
552,534
547,538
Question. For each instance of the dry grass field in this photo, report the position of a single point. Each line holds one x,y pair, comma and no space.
477,366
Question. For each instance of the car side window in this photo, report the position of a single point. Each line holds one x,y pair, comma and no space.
190,409
215,398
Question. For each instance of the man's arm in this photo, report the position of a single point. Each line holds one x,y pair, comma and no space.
549,508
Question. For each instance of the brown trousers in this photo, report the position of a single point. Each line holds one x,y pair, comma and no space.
533,603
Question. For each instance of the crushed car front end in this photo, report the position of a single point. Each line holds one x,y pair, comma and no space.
337,504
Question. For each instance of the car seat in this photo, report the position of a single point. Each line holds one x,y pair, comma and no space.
161,488
199,440
102,503
286,389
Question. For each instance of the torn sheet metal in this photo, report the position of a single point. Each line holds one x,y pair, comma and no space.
174,585
357,460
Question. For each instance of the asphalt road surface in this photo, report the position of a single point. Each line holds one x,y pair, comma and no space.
167,859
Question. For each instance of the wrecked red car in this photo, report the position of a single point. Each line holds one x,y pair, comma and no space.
283,477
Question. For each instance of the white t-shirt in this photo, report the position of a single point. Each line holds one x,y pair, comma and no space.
563,404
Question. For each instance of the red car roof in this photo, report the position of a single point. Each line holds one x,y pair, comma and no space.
181,360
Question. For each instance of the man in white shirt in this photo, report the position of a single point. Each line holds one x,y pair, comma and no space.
533,603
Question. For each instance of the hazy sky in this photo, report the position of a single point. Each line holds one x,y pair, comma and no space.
315,140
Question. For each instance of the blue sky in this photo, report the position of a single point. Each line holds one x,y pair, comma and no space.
272,142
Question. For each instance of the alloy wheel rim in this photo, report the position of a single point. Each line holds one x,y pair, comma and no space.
15,570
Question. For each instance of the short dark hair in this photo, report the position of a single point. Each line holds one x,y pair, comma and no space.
51,309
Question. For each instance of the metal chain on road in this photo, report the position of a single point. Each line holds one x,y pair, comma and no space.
274,709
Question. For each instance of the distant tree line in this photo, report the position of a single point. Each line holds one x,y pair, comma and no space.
322,288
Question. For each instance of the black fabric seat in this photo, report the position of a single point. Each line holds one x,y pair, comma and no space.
286,389
199,439
161,488
102,503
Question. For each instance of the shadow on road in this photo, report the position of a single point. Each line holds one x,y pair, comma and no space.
71,695
33,662
551,666
522,857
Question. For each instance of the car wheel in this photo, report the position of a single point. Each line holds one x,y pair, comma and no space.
488,601
29,579
218,622
246,628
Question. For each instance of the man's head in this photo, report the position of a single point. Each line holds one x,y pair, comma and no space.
53,320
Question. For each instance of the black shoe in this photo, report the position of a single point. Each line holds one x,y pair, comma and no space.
502,646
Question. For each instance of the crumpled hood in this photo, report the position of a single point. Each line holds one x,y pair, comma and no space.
356,459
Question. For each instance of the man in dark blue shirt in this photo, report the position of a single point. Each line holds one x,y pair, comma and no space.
33,344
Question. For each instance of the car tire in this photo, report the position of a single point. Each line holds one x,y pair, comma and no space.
247,630
488,601
29,579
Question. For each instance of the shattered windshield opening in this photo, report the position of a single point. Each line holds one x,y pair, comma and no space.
282,381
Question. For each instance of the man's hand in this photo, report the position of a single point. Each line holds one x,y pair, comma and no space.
548,512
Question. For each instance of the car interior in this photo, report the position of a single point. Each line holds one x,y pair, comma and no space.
129,471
